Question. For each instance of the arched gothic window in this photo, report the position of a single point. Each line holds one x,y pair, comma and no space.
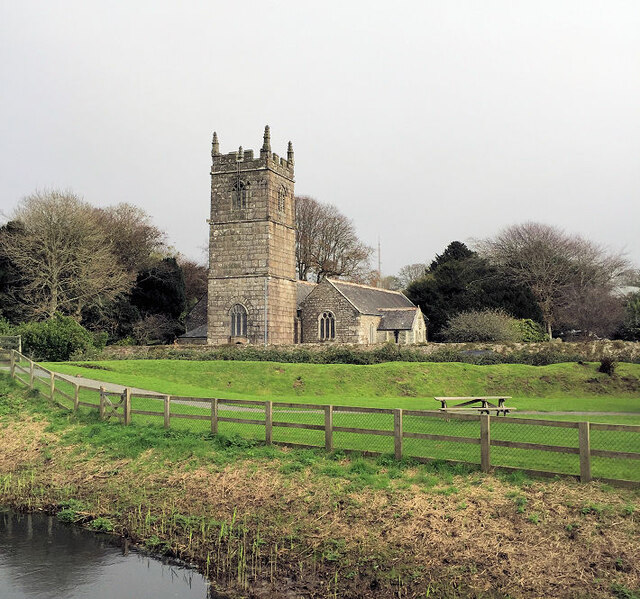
282,197
238,315
327,326
239,195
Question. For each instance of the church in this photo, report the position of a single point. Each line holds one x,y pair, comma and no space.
253,294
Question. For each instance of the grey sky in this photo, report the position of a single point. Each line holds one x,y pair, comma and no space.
423,121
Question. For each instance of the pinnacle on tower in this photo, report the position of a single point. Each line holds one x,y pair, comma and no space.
290,154
215,146
266,146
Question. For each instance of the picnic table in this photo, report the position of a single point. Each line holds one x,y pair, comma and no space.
481,404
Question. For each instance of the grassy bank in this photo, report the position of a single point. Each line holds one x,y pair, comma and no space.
569,386
269,522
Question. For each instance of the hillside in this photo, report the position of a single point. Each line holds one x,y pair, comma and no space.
397,384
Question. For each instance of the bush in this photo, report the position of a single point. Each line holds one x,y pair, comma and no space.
5,326
482,325
531,331
607,365
56,340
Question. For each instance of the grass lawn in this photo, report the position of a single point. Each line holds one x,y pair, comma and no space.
406,385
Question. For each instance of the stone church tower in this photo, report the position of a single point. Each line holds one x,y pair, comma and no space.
252,273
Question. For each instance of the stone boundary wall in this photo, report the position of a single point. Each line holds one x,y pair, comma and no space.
589,351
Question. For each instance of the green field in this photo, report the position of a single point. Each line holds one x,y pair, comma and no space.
411,386
408,385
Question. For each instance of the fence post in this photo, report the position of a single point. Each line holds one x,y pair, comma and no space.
12,363
585,452
214,416
52,384
31,374
268,422
397,433
127,406
102,402
485,442
328,428
76,396
167,410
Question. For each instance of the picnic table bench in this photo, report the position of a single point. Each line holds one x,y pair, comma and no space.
481,404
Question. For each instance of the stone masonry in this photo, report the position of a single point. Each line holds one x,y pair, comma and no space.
252,245
323,298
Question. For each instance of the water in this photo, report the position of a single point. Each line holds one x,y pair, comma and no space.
41,558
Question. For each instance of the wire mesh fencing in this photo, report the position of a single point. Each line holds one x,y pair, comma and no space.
535,445
615,451
369,430
299,424
440,436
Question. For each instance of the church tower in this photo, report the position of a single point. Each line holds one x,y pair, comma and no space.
252,272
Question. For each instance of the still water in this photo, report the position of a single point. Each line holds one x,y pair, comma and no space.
41,558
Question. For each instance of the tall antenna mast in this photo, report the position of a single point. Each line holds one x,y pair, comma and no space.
379,265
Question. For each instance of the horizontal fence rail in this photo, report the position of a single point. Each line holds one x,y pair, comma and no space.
583,450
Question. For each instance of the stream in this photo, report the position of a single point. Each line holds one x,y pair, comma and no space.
42,558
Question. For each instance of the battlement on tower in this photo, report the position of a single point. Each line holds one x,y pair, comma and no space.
247,160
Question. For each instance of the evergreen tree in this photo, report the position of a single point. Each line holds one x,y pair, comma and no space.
460,281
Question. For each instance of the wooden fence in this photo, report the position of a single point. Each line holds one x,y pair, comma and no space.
119,405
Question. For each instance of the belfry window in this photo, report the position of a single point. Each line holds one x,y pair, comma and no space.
238,321
239,196
282,197
327,326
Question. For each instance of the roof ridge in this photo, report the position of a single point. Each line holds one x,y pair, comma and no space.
400,308
365,286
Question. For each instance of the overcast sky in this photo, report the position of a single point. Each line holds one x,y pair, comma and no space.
423,121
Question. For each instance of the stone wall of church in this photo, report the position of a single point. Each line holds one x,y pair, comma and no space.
282,311
417,333
368,329
250,293
325,298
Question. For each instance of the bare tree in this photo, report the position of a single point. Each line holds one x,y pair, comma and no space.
326,242
308,224
558,268
592,311
134,240
410,273
65,261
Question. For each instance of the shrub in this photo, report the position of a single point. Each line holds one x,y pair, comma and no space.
531,331
55,340
482,325
607,365
5,326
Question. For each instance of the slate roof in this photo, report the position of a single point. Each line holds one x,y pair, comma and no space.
197,316
371,300
397,319
303,289
197,333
